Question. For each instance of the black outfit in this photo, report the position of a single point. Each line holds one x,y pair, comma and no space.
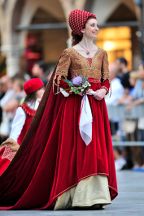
125,80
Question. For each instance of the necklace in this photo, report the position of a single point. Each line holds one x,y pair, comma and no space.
88,50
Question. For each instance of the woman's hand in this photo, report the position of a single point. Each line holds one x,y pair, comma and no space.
88,92
80,93
129,106
100,94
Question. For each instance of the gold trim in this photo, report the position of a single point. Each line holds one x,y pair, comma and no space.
113,188
97,52
81,56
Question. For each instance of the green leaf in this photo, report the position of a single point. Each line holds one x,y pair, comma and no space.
68,81
87,88
76,91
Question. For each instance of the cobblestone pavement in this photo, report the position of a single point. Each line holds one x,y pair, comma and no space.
130,200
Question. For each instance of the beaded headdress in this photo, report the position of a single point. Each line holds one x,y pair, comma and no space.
77,19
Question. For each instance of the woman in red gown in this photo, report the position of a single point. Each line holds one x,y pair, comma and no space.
54,168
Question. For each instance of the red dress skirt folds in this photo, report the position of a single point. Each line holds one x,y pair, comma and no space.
55,159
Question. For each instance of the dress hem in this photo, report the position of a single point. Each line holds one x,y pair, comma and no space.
82,179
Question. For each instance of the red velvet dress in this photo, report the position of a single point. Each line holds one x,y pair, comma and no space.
6,154
56,159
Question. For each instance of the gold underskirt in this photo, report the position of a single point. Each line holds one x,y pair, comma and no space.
90,191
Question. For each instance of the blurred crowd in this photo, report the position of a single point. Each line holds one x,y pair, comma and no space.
128,89
12,94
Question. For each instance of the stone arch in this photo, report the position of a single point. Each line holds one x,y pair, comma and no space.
50,13
21,13
30,9
128,14
104,9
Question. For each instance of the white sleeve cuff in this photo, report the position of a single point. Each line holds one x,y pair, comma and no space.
65,94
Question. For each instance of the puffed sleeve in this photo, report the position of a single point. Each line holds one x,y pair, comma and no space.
105,73
18,123
62,70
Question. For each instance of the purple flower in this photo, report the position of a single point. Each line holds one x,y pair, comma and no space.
77,80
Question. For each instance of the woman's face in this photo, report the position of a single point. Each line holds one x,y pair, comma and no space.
91,28
39,93
132,81
16,87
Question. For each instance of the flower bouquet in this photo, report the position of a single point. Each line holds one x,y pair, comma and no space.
78,84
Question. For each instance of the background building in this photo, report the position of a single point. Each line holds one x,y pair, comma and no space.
44,23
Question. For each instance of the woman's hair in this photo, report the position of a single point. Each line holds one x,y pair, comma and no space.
77,38
31,98
20,82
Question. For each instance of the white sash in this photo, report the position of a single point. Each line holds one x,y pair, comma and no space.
85,122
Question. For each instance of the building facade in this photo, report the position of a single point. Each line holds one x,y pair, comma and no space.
46,22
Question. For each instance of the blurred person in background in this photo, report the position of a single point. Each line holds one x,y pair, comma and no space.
8,94
124,74
125,80
3,85
127,133
132,79
9,104
117,87
138,98
138,92
49,72
38,71
17,87
33,52
21,122
117,92
3,89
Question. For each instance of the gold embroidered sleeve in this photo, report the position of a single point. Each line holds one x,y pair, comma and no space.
105,68
62,68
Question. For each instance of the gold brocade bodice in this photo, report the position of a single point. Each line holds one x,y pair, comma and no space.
72,63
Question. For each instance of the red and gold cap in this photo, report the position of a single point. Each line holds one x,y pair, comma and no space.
77,19
32,85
